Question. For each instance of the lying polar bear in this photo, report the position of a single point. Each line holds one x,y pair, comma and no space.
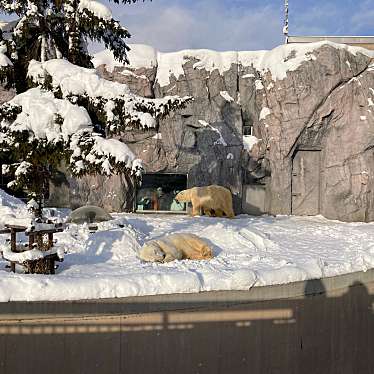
176,247
212,200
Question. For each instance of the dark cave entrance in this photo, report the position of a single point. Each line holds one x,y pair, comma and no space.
157,193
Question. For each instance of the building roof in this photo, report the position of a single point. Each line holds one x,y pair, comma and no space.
359,41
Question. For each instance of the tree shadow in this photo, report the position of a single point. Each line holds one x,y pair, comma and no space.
140,225
98,249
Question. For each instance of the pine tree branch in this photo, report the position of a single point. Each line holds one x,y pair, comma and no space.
109,32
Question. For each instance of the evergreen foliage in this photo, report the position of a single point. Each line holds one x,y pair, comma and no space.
58,115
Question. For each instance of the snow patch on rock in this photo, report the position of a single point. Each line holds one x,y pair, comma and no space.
278,62
248,76
220,140
226,96
171,64
249,141
158,136
264,113
258,84
139,56
289,57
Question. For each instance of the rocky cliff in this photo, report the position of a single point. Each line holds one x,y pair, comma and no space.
313,97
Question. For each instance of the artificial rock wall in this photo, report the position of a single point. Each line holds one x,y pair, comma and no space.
313,97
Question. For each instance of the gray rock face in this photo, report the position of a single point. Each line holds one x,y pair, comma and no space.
6,95
323,106
298,100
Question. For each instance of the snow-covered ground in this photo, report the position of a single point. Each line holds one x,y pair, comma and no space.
249,251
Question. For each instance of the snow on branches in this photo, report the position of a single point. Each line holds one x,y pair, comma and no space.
97,9
70,114
54,29
112,102
44,131
93,154
6,66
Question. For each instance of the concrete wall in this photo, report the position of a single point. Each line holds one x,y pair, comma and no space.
308,327
254,200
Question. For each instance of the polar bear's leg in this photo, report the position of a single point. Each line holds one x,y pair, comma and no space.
171,252
196,208
208,212
191,246
230,213
169,258
226,205
219,213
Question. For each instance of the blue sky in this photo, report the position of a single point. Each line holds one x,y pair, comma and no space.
239,24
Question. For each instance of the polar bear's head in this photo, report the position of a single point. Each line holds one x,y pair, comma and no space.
183,197
151,252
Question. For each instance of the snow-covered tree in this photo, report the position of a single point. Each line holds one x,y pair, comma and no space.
65,112
48,29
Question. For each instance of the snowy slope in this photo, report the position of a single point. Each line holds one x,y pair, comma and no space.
248,252
278,61
12,211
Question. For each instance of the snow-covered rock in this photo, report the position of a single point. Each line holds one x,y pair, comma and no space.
278,61
140,56
249,141
295,96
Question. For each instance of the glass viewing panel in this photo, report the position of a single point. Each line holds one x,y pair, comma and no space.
158,191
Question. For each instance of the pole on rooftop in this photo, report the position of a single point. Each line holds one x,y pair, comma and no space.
286,20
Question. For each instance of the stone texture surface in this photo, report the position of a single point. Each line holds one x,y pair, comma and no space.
325,105
6,95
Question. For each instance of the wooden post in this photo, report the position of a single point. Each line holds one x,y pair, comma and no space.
13,240
50,240
39,240
51,266
31,240
13,247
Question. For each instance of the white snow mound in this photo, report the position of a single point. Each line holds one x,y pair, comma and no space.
248,252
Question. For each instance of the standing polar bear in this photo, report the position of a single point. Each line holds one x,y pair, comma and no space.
176,247
212,200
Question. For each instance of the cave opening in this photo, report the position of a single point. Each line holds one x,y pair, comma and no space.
157,193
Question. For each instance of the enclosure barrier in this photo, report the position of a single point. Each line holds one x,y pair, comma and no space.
318,326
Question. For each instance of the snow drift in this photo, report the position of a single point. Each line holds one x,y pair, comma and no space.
248,252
